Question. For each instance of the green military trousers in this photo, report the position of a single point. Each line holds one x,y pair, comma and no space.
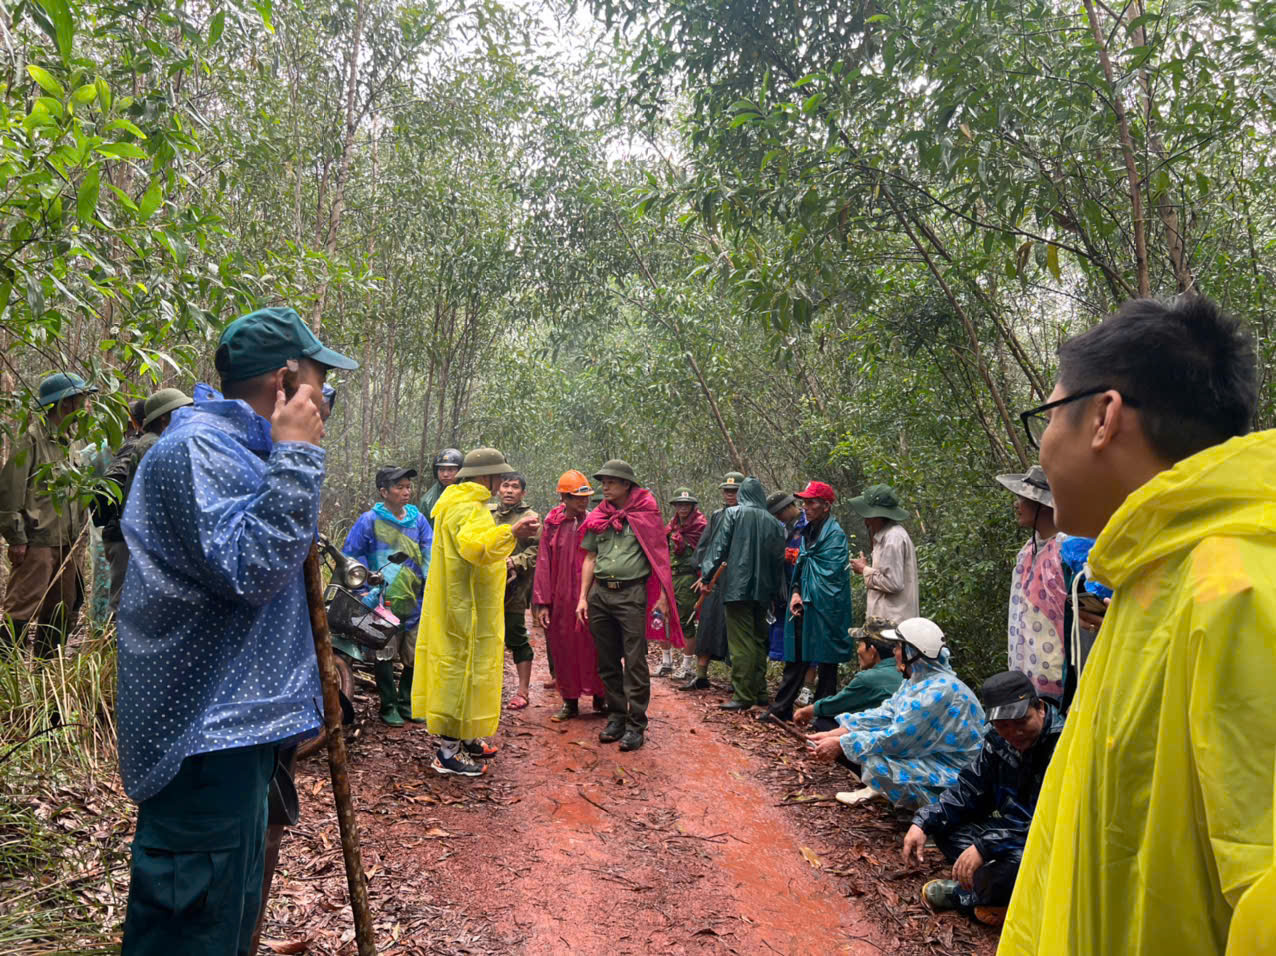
748,641
618,623
198,854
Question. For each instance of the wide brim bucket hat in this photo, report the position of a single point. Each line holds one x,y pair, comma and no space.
163,402
778,501
1032,485
62,385
878,501
483,461
617,468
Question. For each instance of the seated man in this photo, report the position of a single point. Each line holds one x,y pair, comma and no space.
980,823
877,678
911,748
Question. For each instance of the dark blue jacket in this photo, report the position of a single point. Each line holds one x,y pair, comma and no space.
1001,780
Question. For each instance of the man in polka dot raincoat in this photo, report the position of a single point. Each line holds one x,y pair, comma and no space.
217,667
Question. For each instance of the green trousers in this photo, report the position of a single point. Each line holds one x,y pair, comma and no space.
195,886
394,698
685,596
748,641
516,640
618,623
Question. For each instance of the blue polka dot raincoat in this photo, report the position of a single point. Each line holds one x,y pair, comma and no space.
914,745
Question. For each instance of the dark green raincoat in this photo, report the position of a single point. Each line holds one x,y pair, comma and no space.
751,543
711,634
430,499
822,578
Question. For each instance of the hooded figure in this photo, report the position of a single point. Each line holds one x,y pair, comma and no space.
460,648
751,543
912,747
1153,831
448,460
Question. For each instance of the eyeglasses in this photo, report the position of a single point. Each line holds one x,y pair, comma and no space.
1035,420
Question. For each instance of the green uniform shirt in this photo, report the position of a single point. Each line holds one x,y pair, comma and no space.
866,690
518,592
28,515
620,556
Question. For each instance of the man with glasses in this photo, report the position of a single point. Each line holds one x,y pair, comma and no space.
1153,831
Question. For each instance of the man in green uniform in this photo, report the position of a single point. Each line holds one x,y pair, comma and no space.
44,582
684,533
751,545
711,635
446,464
507,508
877,678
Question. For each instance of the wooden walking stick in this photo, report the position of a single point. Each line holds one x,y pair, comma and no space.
712,584
337,759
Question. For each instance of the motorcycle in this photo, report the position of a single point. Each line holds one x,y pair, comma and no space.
359,626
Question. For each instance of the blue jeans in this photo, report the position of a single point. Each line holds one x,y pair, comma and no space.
198,855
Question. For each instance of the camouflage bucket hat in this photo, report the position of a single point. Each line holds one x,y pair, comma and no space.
873,630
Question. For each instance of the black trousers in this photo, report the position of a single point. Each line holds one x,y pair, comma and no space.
995,880
795,676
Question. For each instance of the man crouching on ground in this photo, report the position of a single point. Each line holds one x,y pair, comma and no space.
217,665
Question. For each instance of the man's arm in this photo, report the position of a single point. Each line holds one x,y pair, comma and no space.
481,541
967,800
586,580
361,542
858,694
524,561
886,575
720,546
14,478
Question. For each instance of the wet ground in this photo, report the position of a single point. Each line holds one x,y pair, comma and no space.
720,835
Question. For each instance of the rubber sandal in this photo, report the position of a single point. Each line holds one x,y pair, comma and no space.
518,702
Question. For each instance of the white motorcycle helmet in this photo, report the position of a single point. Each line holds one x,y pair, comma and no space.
919,633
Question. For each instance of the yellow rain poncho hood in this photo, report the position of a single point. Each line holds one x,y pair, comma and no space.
1153,832
460,648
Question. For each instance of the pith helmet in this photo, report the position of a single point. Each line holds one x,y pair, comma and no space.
163,402
62,385
483,461
616,468
777,501
732,481
683,496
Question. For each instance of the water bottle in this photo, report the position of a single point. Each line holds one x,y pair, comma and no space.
657,621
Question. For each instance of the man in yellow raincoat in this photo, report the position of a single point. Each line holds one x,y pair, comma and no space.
1153,831
460,649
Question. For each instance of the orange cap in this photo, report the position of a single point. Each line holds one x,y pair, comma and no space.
574,483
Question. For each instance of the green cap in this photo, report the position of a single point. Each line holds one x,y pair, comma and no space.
683,496
266,340
163,402
878,501
777,501
732,481
617,468
483,461
62,385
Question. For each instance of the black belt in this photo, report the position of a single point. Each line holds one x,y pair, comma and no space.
612,584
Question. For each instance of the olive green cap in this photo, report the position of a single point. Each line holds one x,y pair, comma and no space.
777,501
683,496
616,468
878,501
732,481
483,461
163,402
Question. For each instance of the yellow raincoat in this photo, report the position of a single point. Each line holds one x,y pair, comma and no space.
460,648
1153,832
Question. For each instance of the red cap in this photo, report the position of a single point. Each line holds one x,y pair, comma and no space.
817,489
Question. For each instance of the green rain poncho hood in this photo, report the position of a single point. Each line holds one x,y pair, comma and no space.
820,576
752,545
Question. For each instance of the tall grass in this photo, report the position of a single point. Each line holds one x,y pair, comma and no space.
64,822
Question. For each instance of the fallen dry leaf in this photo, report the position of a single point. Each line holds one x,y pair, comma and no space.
286,946
810,857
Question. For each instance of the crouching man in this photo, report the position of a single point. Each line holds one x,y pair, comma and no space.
981,822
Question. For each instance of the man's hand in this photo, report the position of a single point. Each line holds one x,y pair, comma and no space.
297,418
966,865
701,586
795,605
1089,620
914,840
582,610
858,564
540,614
662,604
829,748
804,715
17,554
526,526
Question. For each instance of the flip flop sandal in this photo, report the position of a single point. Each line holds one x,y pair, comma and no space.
517,702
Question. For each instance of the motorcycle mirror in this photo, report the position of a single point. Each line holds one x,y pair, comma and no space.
398,557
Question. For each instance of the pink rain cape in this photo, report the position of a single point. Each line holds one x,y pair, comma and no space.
556,586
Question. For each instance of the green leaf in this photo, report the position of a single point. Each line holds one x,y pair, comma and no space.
215,27
122,150
103,93
122,123
86,93
1052,260
59,12
151,199
46,80
123,197
86,198
264,8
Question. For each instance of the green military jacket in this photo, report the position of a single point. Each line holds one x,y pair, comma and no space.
28,514
518,592
866,690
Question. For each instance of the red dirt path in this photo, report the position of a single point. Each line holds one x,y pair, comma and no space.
568,845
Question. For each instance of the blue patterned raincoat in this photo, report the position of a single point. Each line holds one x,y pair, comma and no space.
914,745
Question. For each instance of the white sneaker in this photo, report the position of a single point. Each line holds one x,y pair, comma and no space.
862,795
805,697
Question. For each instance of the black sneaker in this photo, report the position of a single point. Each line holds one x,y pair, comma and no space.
459,764
666,670
632,740
614,730
696,683
480,749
